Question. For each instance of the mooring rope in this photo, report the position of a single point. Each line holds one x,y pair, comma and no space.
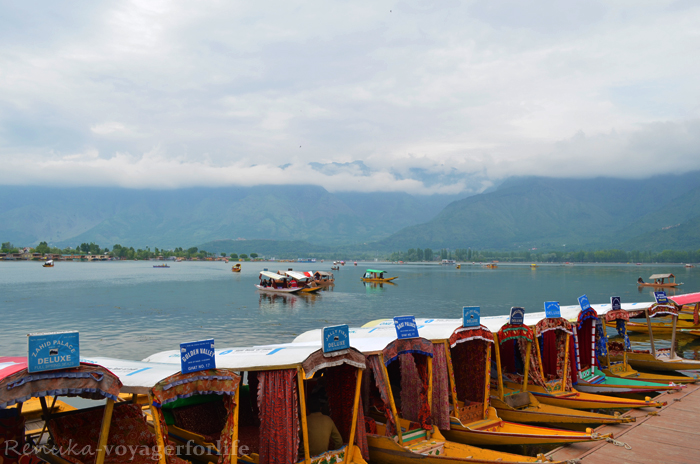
597,436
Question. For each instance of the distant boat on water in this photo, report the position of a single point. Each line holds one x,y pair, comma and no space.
161,265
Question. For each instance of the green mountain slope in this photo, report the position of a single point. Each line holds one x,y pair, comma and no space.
552,213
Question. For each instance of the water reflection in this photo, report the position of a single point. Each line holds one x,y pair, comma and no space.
276,300
376,287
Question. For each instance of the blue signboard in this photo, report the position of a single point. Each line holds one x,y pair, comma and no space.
517,315
197,356
583,302
551,309
471,316
661,297
615,303
405,327
336,338
51,351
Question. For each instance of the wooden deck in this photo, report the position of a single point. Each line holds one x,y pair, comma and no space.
669,435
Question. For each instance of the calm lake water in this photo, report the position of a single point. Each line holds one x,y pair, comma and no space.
130,310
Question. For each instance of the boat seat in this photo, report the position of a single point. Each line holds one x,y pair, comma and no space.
518,400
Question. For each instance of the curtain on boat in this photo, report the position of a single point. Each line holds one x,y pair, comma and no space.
414,389
469,364
340,389
621,327
441,388
382,384
586,343
553,356
278,406
601,340
696,314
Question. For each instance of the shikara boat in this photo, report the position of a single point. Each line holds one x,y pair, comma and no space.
659,281
656,359
272,407
48,263
324,278
82,435
613,350
275,283
516,404
590,334
542,378
474,421
372,275
161,266
236,267
304,280
175,400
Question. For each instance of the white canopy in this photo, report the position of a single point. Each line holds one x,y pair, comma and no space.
272,275
137,377
387,333
297,275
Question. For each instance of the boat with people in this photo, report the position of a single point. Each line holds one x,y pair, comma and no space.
659,281
276,283
402,390
461,377
284,388
373,275
161,266
236,267
304,280
48,263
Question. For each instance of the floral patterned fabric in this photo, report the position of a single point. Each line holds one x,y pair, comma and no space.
514,331
466,334
76,434
469,365
619,314
409,345
212,381
585,315
553,323
601,339
341,397
621,327
414,389
278,406
441,388
553,356
585,340
669,309
382,384
87,381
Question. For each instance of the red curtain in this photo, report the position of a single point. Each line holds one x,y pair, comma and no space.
341,381
382,385
278,404
414,389
441,388
469,363
584,335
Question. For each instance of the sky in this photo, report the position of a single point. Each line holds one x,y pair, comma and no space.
420,97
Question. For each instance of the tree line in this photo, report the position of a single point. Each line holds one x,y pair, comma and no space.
600,256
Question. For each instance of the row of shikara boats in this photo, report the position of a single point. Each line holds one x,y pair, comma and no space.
444,396
291,281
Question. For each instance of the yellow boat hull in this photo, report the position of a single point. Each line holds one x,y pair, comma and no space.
579,400
310,290
660,328
540,413
385,450
493,431
646,361
379,280
626,372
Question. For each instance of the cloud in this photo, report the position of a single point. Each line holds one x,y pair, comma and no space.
385,95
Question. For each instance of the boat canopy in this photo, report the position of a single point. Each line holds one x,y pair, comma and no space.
662,276
688,298
272,357
297,275
90,381
375,271
273,276
323,274
50,261
166,381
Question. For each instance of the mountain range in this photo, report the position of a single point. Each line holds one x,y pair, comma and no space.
521,213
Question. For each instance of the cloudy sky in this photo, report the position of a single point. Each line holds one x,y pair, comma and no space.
423,97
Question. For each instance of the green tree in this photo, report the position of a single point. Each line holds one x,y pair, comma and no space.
253,255
223,254
243,256
234,256
7,246
428,254
42,248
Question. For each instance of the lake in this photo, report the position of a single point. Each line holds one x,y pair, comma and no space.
128,309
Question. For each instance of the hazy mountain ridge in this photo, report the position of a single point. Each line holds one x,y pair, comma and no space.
189,217
552,213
